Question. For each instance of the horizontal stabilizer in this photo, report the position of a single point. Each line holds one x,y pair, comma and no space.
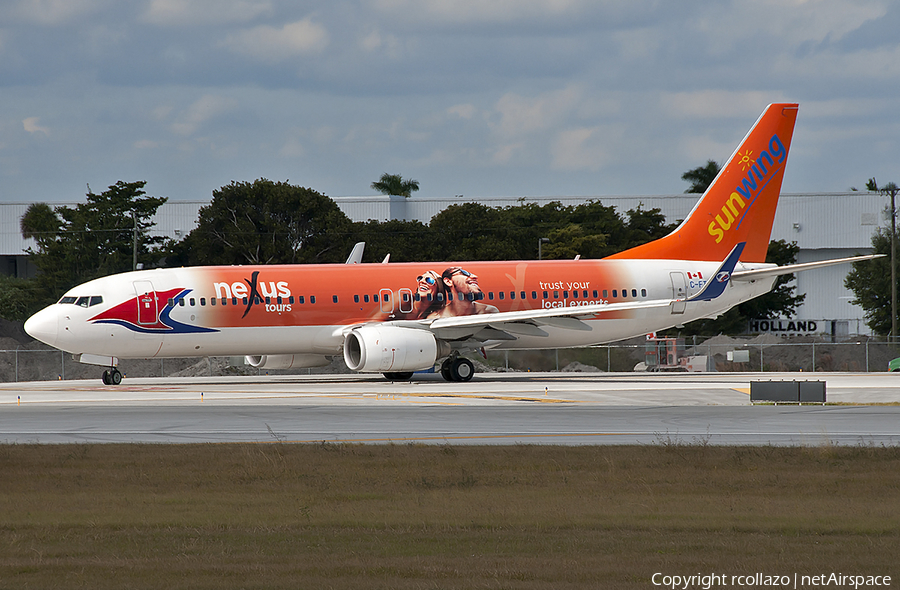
761,273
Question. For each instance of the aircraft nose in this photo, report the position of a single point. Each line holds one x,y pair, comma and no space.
44,326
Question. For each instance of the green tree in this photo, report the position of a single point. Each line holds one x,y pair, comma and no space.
405,241
870,282
266,222
394,184
93,239
18,298
701,177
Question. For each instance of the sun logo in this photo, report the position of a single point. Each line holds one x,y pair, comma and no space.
746,160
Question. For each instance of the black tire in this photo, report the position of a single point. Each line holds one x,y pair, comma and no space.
447,370
105,377
403,376
463,369
115,377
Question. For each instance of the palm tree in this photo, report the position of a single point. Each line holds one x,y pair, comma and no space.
701,177
393,184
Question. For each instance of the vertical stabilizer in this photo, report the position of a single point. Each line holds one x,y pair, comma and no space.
739,206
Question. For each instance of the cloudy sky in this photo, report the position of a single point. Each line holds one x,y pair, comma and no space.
472,97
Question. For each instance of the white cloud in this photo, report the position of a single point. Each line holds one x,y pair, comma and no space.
376,41
205,12
463,111
493,11
31,126
202,110
274,44
54,12
579,149
520,115
707,104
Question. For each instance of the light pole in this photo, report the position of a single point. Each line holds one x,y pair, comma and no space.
541,242
892,189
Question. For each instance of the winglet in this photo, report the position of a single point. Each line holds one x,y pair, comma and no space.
715,287
356,254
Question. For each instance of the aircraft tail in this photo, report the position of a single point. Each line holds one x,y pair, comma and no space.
739,205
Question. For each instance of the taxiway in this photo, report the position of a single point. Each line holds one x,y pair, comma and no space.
501,408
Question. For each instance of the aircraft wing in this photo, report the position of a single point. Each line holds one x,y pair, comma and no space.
506,325
774,271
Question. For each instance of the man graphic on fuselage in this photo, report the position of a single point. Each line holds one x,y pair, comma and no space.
464,289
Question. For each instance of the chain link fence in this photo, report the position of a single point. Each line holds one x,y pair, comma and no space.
863,356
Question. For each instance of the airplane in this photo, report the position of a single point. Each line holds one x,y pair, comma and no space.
399,318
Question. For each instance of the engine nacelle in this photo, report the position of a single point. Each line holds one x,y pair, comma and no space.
287,361
382,349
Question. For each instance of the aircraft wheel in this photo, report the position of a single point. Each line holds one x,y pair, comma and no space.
463,369
404,376
115,377
105,377
447,370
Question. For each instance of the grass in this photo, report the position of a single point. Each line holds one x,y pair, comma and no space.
353,516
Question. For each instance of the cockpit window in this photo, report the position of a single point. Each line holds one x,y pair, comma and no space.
68,299
96,300
83,301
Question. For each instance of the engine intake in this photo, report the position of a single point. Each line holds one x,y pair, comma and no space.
381,349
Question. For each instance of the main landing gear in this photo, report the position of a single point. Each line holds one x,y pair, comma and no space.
111,376
457,369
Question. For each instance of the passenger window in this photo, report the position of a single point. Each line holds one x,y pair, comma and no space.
491,295
585,294
605,294
301,300
375,298
366,298
546,295
203,302
534,294
575,294
291,300
312,299
181,302
565,294
556,294
501,294
615,293
234,301
334,298
244,301
212,301
634,292
595,293
643,292
523,294
356,299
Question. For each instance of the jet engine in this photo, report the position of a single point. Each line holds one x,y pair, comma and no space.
382,349
287,361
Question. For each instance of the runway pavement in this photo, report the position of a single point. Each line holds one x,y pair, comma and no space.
500,408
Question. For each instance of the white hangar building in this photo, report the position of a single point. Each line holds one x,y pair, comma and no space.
832,225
